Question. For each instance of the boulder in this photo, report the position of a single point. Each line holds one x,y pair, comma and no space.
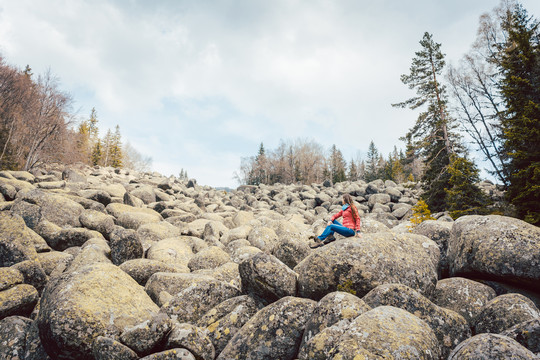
34,350
208,258
378,199
105,348
192,338
266,277
69,237
491,346
241,232
503,312
334,307
145,193
227,272
101,196
358,266
224,320
13,331
147,336
464,296
9,277
52,207
33,273
242,218
78,306
15,240
370,225
92,252
141,269
274,332
390,333
172,354
134,220
527,334
496,247
98,221
242,253
156,231
263,238
438,231
18,300
291,250
125,245
195,299
173,251
449,327
50,260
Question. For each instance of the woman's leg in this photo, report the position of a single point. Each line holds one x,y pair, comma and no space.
336,227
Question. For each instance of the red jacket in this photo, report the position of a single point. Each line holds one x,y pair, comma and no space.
348,219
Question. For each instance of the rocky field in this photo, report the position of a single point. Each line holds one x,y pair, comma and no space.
98,263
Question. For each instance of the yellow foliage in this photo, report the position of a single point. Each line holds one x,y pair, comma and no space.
421,213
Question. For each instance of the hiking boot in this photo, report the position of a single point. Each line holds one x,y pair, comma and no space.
329,239
318,243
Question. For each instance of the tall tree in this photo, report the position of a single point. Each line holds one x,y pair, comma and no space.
115,151
372,162
431,133
520,65
337,165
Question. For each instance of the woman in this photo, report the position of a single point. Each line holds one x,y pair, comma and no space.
350,227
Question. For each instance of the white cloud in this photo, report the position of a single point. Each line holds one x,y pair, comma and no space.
170,72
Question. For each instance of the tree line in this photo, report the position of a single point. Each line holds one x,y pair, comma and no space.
492,97
38,125
306,161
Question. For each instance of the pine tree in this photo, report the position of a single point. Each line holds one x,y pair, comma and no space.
464,197
420,213
353,171
97,153
520,126
431,133
107,145
260,173
116,149
337,165
372,162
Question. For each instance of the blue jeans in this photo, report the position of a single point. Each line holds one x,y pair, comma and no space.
336,227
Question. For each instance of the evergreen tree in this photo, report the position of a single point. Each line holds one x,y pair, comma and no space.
107,144
116,149
260,173
337,165
97,153
464,197
372,162
353,171
520,126
431,132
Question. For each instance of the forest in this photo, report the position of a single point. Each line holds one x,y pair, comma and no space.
488,103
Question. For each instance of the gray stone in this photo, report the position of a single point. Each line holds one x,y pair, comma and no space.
13,331
491,346
274,332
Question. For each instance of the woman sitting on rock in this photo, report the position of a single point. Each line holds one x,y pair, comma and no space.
350,227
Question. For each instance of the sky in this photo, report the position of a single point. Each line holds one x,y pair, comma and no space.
197,85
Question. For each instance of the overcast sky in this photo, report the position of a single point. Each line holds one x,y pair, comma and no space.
199,84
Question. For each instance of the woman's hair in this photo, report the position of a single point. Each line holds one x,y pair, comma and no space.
347,199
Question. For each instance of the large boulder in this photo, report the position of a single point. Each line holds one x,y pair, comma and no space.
125,245
18,300
105,348
491,346
495,247
209,258
173,251
192,338
263,238
13,331
464,296
449,327
438,231
390,333
98,221
141,269
358,266
15,240
264,276
291,250
96,300
335,307
198,297
503,312
527,334
52,207
274,332
224,320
